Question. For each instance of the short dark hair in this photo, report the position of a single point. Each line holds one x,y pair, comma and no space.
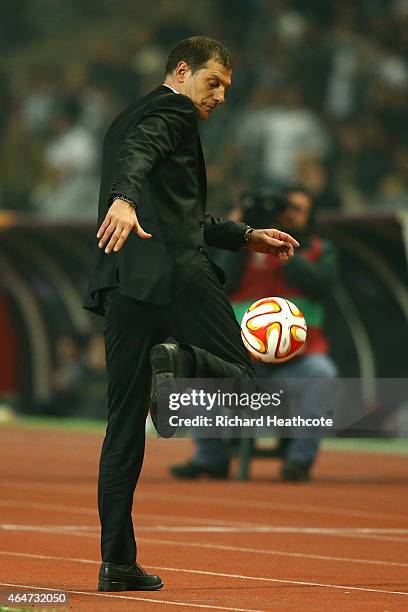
295,187
196,51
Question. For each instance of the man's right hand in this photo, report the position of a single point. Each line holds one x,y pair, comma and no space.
120,220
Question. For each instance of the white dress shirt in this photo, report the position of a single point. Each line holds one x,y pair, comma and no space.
173,90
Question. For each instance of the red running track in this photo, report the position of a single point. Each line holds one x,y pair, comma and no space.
339,542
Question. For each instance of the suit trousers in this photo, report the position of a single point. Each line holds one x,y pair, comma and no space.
201,318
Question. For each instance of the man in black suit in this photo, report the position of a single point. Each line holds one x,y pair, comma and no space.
152,277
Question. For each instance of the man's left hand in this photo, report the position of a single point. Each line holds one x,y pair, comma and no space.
273,242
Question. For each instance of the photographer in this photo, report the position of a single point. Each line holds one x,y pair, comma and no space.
306,280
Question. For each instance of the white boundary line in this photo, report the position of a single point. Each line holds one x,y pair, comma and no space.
93,532
80,530
245,549
89,489
271,552
309,508
207,522
158,601
353,531
343,531
145,515
203,524
257,551
10,503
223,575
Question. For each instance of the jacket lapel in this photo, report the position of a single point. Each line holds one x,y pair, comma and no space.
202,174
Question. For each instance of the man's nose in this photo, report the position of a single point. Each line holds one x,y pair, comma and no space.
219,96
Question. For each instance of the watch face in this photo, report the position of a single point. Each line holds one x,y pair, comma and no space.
248,232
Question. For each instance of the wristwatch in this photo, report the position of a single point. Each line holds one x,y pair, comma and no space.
247,233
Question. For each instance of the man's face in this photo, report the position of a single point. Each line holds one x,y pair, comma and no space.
297,213
206,87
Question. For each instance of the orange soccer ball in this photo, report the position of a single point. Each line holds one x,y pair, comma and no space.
273,330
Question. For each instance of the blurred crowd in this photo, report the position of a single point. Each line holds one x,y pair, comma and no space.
78,381
320,95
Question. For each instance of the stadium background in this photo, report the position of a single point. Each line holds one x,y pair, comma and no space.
320,95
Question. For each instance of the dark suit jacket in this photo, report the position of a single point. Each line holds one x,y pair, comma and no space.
152,154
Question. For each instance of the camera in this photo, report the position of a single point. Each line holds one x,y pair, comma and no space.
262,206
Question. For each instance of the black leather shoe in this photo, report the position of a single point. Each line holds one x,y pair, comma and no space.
170,359
294,471
168,362
191,470
132,577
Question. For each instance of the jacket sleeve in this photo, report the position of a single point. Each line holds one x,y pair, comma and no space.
315,278
222,234
160,131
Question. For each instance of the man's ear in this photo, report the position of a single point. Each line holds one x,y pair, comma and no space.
182,71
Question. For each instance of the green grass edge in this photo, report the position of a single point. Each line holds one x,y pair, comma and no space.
370,445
